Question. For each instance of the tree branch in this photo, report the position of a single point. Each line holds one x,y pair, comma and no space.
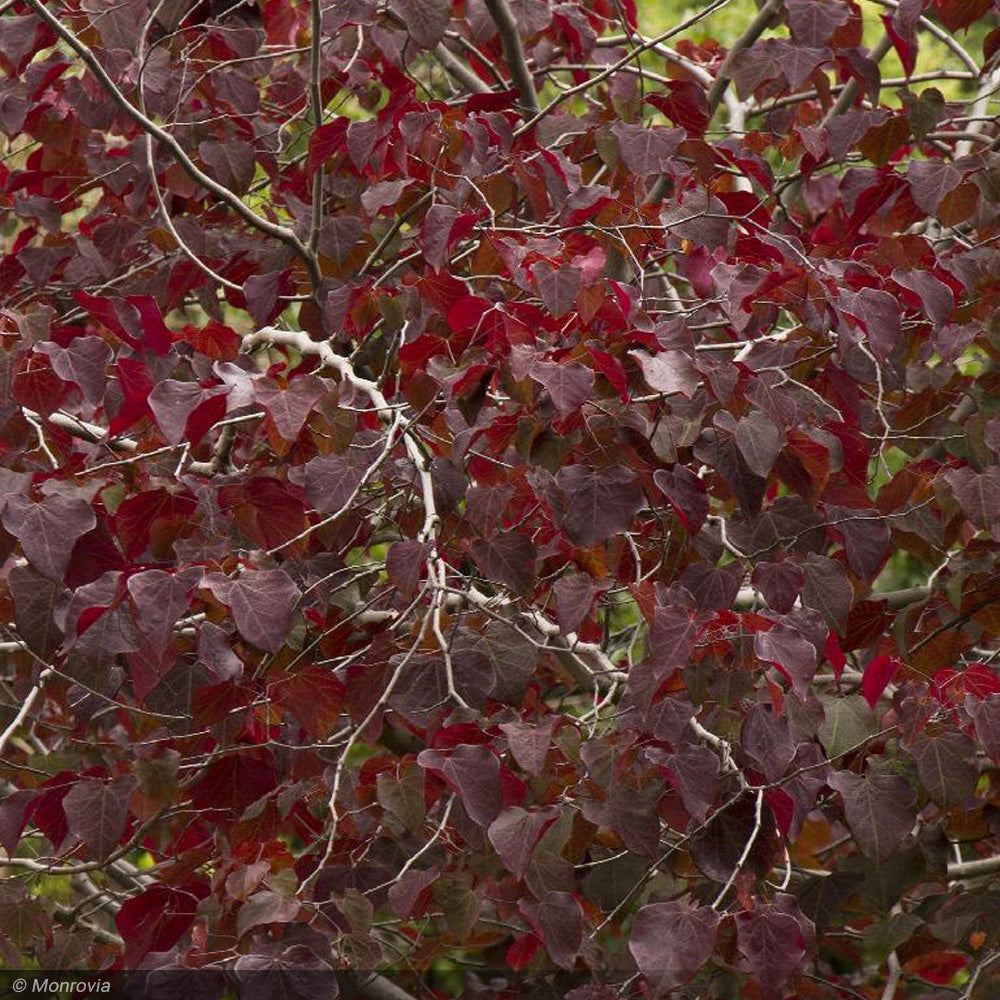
513,51
460,71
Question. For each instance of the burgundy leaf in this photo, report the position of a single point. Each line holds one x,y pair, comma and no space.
687,495
406,564
774,938
930,181
946,766
767,739
758,441
827,590
509,558
83,363
558,920
978,494
97,812
574,594
425,20
157,918
289,406
669,372
529,743
557,286
263,603
879,315
48,530
515,832
474,773
569,385
603,503
780,584
866,538
694,772
160,599
36,600
330,482
880,809
232,162
813,22
671,941
647,150
788,649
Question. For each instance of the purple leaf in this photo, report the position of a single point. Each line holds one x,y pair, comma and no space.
774,938
946,766
361,139
687,495
262,602
986,715
84,363
866,538
937,298
515,832
558,920
978,494
669,372
880,809
672,637
758,441
813,22
485,505
261,292
406,564
435,233
717,847
602,504
671,941
330,482
35,602
574,594
714,588
647,151
425,20
557,286
879,313
827,590
231,162
289,407
529,743
160,599
930,181
569,385
694,772
96,812
508,557
780,583
265,907
48,530
340,236
474,773
767,739
789,650
172,402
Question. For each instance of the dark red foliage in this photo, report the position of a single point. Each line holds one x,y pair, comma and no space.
483,485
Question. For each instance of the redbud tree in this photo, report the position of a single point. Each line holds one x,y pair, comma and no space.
502,497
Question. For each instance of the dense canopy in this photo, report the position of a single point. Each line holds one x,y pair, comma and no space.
502,497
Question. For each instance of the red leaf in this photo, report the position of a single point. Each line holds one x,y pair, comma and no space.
877,675
157,918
